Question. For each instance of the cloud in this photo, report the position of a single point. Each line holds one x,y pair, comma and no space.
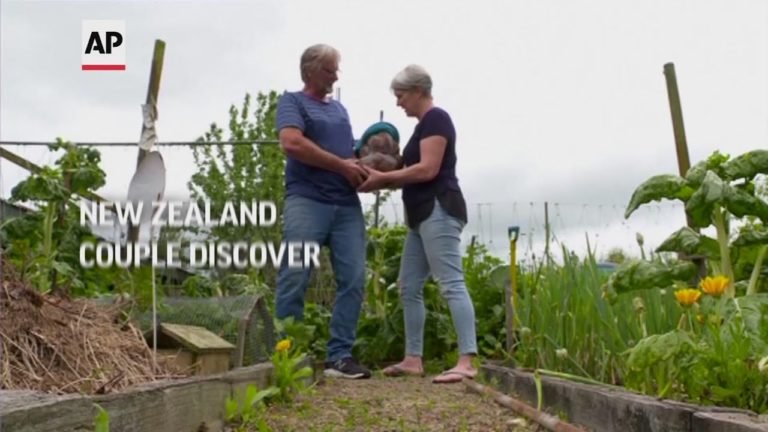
565,104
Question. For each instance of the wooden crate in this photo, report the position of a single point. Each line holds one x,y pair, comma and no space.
192,348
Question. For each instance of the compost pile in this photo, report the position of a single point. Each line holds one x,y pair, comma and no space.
60,345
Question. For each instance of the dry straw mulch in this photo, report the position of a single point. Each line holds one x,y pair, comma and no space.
60,345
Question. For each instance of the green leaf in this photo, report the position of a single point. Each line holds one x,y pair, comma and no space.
753,310
751,235
101,421
253,396
641,274
747,165
231,409
302,373
688,241
696,173
702,203
720,393
713,192
657,348
664,186
740,203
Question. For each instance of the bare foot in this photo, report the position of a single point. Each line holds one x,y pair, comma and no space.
400,370
411,365
455,375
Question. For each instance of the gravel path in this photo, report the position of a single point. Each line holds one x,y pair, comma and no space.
393,404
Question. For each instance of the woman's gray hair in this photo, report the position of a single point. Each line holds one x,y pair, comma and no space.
313,57
413,77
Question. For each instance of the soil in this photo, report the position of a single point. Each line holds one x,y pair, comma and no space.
393,404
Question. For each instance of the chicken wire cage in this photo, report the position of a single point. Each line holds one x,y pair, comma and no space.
243,321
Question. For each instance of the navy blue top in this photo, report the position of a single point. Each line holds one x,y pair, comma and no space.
326,123
419,198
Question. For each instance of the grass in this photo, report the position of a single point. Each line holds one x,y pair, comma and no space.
569,326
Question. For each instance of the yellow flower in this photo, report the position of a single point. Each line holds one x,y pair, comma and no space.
283,345
687,296
714,286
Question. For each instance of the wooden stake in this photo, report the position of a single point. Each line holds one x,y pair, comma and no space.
152,94
681,148
154,85
549,421
33,168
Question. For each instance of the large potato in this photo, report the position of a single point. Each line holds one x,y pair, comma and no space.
381,152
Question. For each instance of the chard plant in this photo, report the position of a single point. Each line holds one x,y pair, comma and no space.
716,191
714,353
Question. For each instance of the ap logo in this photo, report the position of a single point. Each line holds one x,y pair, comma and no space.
103,45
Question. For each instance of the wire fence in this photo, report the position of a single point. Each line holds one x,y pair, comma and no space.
553,225
574,226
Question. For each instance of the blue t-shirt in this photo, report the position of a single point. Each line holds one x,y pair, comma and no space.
326,123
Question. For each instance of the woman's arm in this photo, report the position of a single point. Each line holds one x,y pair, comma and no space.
432,150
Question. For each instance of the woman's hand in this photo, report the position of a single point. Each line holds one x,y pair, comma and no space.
376,180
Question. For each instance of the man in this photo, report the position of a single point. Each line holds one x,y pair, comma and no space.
321,202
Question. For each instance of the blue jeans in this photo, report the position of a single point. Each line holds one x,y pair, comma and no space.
342,228
434,248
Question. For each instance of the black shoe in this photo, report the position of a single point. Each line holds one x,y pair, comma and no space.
346,368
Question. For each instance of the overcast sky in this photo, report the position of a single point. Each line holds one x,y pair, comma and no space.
559,101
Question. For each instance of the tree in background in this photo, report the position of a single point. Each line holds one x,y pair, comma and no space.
246,173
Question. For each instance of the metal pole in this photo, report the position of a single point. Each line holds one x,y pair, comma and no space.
378,193
511,289
546,231
2,221
133,144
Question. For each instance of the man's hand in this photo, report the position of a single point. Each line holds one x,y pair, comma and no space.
376,180
353,172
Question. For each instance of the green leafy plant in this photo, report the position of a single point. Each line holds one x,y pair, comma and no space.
241,173
101,420
45,243
715,192
288,372
247,409
712,356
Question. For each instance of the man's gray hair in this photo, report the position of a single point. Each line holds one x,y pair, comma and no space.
413,77
313,57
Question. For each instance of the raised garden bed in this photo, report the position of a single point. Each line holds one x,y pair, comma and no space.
181,405
197,404
606,408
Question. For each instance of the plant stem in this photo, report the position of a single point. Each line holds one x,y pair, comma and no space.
682,321
752,289
570,376
720,220
690,320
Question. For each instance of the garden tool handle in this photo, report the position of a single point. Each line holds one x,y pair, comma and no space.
513,232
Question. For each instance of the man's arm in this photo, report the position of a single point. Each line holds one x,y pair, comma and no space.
296,145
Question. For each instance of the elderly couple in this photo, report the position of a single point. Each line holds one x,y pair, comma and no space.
323,178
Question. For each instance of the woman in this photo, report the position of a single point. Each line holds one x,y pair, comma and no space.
436,213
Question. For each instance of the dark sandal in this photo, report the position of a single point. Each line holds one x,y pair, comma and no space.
398,371
456,376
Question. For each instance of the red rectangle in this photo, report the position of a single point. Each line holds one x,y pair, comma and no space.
104,67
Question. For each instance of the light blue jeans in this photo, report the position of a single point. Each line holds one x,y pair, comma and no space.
433,248
342,228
